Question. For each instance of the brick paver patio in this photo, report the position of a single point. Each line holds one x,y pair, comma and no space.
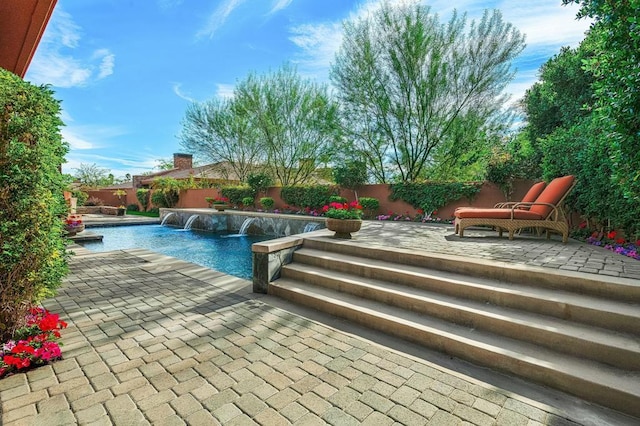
155,340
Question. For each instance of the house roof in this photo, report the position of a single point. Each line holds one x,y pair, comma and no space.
215,171
124,185
22,23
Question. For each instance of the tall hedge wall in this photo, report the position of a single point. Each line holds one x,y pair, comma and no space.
32,247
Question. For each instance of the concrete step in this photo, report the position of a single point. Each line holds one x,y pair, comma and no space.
593,381
615,315
623,289
612,348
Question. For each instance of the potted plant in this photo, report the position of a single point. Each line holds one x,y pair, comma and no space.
73,224
343,218
218,203
122,210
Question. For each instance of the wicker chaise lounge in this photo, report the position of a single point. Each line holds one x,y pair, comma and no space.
532,195
545,212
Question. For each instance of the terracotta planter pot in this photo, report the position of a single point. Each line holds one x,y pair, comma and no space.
343,227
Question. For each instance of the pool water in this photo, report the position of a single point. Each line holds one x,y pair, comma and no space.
228,253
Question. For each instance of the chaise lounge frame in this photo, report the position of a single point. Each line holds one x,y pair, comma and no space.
555,220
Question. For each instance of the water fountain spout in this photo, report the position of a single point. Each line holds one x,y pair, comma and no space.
164,219
189,224
245,225
311,226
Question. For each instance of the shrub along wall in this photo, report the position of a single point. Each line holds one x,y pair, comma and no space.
32,206
487,196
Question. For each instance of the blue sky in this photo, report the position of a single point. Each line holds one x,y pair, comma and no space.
125,71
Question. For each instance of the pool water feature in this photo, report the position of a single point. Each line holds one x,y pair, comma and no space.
213,250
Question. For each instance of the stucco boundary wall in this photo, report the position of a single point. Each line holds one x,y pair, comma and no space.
489,195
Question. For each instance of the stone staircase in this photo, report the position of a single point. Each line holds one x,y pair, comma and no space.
578,333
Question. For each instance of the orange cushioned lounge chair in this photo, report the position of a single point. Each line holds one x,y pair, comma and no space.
544,212
532,195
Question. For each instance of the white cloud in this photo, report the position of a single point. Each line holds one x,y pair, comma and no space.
177,90
218,17
54,62
49,67
118,166
107,62
89,136
280,5
224,90
75,140
319,44
62,29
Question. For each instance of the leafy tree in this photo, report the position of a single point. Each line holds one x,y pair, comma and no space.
163,164
350,175
93,176
409,84
296,120
221,132
563,95
33,258
561,98
616,67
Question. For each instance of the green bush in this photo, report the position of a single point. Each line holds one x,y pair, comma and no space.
267,203
133,208
81,196
259,182
33,258
596,196
369,205
166,192
312,196
248,201
143,195
235,194
430,196
161,199
337,199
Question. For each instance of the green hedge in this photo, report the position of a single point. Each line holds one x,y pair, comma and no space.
430,196
312,196
33,259
235,194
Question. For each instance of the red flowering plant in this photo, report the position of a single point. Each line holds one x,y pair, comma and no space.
216,200
34,344
611,241
335,210
73,221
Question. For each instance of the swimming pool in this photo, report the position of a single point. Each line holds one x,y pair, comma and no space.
228,253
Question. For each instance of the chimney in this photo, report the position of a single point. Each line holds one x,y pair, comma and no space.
182,161
137,181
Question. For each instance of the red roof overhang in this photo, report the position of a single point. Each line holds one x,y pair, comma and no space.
22,23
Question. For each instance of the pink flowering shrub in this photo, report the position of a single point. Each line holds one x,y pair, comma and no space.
34,344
